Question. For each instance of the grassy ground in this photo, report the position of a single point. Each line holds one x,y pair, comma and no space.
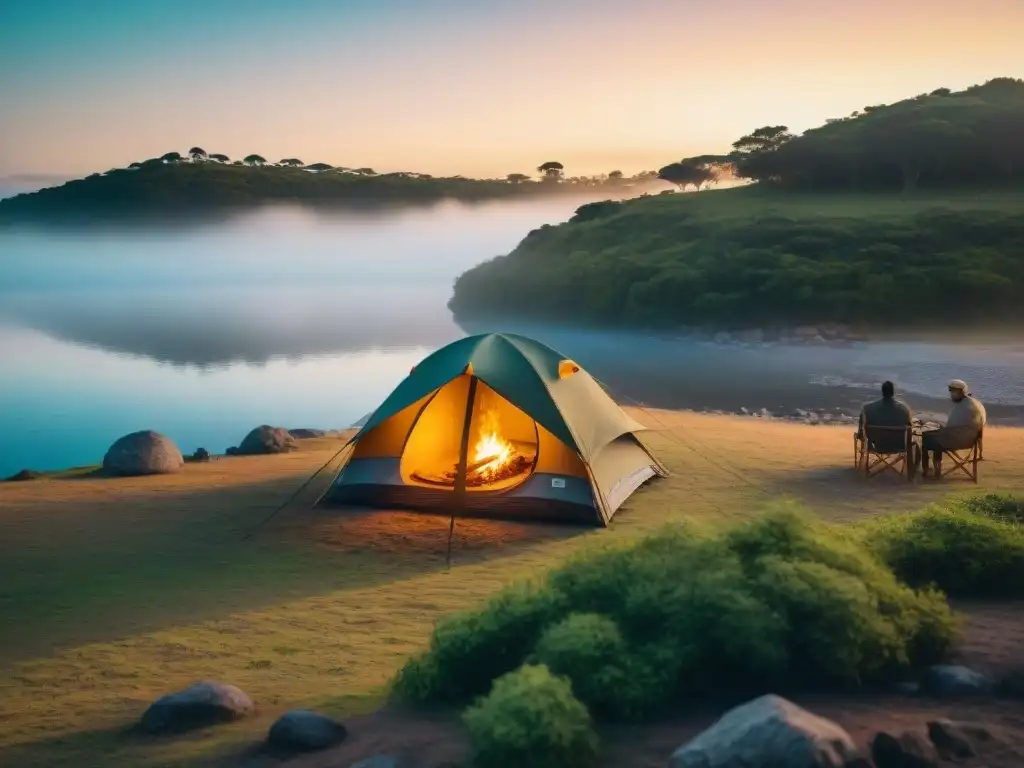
113,592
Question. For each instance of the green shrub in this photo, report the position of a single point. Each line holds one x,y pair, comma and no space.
1001,506
964,553
612,679
531,718
468,651
781,601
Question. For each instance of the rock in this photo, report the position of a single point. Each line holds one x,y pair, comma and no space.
232,451
770,730
143,453
908,751
266,439
954,739
201,454
305,434
23,475
378,761
303,731
201,704
952,680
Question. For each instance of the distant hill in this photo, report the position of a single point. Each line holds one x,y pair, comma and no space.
172,186
904,215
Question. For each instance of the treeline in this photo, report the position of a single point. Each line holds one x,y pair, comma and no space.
175,184
942,139
741,259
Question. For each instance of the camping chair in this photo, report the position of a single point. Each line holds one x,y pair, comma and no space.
962,446
884,448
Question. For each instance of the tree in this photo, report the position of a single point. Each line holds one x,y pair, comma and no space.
319,167
293,162
365,171
615,177
237,162
517,178
254,160
171,157
551,170
693,170
135,165
197,154
220,158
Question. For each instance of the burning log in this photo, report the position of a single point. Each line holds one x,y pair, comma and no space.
481,472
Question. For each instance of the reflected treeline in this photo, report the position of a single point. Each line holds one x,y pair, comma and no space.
250,327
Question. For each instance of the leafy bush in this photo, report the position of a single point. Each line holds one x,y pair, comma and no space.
606,674
469,650
530,717
1001,506
965,553
781,601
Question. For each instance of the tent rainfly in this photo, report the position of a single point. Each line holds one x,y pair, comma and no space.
497,425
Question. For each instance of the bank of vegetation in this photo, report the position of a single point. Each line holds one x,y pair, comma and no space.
905,214
201,183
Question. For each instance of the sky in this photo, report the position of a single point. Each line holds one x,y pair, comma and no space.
473,87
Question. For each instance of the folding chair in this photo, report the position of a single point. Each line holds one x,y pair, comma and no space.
964,451
884,448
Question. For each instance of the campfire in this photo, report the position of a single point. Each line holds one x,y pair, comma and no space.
491,459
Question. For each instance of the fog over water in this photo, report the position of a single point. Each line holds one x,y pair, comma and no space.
307,319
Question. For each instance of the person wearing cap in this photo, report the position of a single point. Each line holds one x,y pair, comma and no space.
966,420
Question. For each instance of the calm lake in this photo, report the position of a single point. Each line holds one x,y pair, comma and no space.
303,319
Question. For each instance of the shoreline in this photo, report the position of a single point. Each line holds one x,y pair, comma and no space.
834,417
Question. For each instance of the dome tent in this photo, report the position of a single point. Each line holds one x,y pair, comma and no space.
497,425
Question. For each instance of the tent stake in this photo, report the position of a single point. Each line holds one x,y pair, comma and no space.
460,472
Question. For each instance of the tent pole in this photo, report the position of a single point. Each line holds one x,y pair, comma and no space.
460,472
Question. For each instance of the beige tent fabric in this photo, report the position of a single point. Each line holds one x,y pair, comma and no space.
592,416
619,469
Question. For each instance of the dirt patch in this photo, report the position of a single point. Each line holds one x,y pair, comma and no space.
396,532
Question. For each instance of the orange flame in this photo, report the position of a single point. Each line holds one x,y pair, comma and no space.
491,444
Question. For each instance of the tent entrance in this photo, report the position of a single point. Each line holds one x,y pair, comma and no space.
501,445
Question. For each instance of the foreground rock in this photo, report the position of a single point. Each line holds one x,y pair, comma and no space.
200,705
143,453
266,439
23,475
952,680
957,740
304,731
770,730
910,750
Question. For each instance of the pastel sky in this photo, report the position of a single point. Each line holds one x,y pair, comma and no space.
478,87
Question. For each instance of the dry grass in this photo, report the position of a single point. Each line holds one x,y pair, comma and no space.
113,592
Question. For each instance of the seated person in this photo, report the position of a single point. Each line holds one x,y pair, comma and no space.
966,420
886,412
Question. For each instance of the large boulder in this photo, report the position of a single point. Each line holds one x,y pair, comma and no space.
770,730
266,439
303,731
143,453
200,705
